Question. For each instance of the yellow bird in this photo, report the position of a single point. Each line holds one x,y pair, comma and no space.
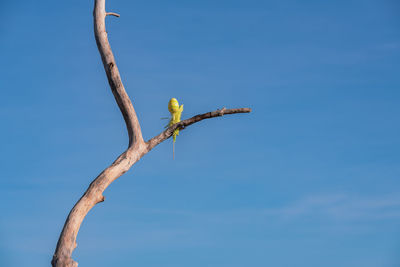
176,112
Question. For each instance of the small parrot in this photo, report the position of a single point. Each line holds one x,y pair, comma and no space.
176,112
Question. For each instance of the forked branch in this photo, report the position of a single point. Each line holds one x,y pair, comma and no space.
137,148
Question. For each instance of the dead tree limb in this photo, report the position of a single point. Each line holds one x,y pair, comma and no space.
137,147
112,14
183,124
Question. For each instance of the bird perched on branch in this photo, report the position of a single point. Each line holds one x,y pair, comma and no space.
176,112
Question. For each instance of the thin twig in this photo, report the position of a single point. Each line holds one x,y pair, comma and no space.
112,14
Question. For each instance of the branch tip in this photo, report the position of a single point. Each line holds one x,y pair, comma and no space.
112,14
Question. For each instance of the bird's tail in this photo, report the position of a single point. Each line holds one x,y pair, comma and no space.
173,144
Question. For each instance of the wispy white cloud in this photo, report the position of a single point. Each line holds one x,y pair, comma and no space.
337,206
342,207
389,46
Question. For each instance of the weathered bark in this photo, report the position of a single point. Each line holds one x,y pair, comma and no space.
137,148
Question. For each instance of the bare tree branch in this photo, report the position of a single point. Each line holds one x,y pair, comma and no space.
112,14
136,150
183,124
94,194
114,79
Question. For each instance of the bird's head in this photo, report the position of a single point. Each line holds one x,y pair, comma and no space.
173,105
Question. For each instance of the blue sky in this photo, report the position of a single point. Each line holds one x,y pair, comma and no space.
309,178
